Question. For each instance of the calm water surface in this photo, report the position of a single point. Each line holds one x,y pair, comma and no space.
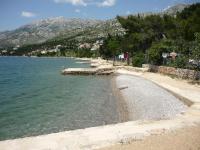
36,99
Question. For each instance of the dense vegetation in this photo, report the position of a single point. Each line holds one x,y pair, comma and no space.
148,37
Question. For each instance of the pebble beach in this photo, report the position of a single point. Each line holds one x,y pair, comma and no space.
146,100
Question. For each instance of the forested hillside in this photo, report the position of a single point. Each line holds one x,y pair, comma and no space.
147,38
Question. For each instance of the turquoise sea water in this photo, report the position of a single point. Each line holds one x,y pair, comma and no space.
36,99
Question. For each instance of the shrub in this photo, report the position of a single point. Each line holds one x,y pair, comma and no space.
180,62
138,59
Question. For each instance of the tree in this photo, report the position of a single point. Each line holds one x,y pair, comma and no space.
190,21
196,50
111,47
155,52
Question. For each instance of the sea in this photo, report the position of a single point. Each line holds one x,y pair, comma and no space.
35,99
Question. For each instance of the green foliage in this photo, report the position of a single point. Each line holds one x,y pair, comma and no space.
171,27
190,21
180,62
156,50
154,34
196,49
138,59
131,24
84,53
155,54
111,47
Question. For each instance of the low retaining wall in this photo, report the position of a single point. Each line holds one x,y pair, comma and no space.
178,72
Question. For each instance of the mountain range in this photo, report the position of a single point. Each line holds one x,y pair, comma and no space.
60,27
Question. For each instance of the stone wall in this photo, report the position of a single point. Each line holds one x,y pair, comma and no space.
178,72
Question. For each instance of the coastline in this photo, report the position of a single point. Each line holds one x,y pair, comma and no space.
147,101
183,137
121,133
166,106
122,107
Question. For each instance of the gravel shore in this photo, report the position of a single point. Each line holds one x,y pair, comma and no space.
146,100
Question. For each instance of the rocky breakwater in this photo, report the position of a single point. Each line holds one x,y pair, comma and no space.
98,67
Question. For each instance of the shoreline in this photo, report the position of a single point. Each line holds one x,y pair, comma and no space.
147,101
121,133
122,107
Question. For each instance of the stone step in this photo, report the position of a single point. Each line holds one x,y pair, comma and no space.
88,71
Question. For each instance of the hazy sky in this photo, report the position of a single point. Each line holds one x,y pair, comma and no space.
15,13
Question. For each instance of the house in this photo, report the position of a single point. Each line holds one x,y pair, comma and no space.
85,46
4,51
16,48
95,47
12,52
173,55
53,51
43,52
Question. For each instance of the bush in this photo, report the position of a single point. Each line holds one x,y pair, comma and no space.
155,53
138,59
180,62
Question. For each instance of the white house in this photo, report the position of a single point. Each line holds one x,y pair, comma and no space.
85,45
4,51
43,52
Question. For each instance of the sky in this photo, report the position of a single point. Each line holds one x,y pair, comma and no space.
15,13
